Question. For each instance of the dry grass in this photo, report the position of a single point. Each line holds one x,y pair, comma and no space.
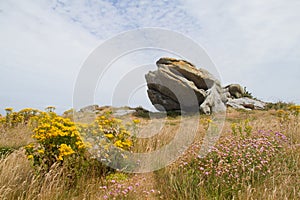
165,132
18,180
282,184
16,137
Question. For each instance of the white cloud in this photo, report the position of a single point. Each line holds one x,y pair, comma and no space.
44,43
106,18
40,53
256,43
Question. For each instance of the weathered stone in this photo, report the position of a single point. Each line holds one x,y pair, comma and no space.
200,77
179,85
168,88
246,103
213,102
235,90
122,112
90,108
162,102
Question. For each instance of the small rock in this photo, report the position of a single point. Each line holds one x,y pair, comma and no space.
89,109
235,90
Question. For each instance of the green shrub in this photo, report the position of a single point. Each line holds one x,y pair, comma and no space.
247,93
280,105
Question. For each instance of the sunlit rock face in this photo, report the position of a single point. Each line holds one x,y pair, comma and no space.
179,85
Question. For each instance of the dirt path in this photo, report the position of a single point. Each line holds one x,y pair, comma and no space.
147,186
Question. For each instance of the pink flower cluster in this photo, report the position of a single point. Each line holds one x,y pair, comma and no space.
117,190
237,159
121,190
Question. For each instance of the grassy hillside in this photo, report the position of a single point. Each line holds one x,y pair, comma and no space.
256,157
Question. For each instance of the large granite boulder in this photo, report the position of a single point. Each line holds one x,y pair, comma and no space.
200,77
179,85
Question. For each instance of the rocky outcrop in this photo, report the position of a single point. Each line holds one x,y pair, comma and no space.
200,77
235,90
214,101
103,110
169,89
179,85
246,103
90,109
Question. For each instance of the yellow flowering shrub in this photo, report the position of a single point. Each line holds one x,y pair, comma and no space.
60,140
294,110
113,130
56,139
289,121
283,115
2,121
242,128
8,110
110,139
27,114
21,118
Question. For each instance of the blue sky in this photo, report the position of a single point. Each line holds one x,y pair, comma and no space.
43,44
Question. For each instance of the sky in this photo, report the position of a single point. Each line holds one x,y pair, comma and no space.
44,44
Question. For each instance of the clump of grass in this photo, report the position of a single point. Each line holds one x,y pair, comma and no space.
279,105
18,180
15,137
289,123
127,188
239,161
141,112
247,163
236,162
283,183
247,93
5,151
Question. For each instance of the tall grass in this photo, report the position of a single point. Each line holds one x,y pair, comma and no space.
184,179
223,174
19,181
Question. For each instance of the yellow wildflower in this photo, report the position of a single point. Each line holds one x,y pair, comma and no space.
118,143
29,146
136,121
8,109
65,150
81,145
127,143
60,157
41,151
109,136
